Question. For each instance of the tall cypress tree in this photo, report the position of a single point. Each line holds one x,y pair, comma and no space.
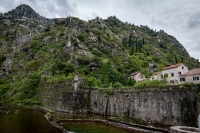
141,44
143,41
124,42
136,45
129,41
181,59
132,48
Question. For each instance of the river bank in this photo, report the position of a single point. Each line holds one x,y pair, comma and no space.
23,120
135,128
58,122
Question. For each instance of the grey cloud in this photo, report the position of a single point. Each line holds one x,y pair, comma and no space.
194,20
6,6
61,8
32,1
47,8
196,15
156,22
74,5
94,14
178,18
193,24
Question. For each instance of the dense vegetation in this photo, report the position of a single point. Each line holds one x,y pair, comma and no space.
103,52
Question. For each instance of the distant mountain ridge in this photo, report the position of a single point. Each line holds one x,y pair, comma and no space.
24,10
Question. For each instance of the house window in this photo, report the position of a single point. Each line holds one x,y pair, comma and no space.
172,74
152,77
195,78
182,67
182,79
161,76
179,73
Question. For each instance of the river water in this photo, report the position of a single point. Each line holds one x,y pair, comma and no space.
22,120
91,128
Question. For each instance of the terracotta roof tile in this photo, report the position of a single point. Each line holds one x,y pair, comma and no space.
172,66
134,73
192,72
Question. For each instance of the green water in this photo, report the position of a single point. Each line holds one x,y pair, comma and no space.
21,120
91,128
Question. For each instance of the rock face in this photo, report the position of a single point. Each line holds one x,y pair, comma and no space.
20,38
23,11
17,28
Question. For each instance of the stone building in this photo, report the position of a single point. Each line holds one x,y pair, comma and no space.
171,73
191,76
137,76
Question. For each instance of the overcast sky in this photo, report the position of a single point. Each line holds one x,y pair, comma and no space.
179,18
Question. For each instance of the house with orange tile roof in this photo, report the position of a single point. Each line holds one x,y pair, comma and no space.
191,76
171,73
137,76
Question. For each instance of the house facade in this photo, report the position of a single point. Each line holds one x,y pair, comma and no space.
156,76
171,73
137,76
192,76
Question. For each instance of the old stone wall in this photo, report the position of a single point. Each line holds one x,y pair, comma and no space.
62,97
51,96
156,107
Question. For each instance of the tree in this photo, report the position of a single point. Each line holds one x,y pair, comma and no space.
143,41
130,41
136,44
181,59
124,42
132,49
117,85
47,28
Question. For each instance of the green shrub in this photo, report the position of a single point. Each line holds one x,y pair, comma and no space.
47,28
2,58
35,46
29,86
131,82
75,42
84,70
31,101
69,68
97,52
4,87
65,68
149,83
83,61
117,85
92,82
81,37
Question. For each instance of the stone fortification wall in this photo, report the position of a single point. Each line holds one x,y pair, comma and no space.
51,95
175,107
168,107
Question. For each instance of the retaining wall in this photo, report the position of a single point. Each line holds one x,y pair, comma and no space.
167,107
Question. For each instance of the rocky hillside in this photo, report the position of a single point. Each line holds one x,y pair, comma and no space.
37,51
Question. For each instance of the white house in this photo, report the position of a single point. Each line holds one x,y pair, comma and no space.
156,76
137,76
191,76
171,73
